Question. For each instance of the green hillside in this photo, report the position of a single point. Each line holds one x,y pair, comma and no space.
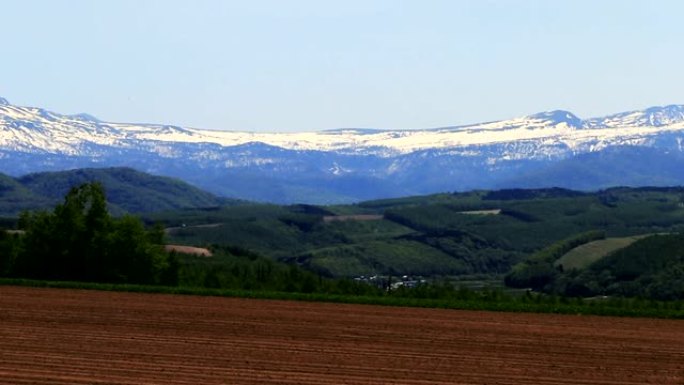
14,197
478,234
530,237
127,190
652,267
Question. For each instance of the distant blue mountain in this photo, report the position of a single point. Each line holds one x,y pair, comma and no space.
560,116
554,148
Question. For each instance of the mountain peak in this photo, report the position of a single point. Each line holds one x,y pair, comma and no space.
4,102
559,116
85,117
657,116
669,108
661,116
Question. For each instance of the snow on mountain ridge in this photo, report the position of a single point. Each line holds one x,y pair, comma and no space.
346,164
31,129
658,116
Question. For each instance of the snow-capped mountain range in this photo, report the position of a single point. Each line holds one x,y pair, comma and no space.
349,164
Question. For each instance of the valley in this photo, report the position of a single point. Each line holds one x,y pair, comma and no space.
552,241
476,233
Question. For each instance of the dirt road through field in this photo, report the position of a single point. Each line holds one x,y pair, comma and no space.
59,336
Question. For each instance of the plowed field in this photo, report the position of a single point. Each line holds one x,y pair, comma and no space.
59,336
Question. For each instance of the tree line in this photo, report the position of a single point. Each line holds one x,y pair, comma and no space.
80,241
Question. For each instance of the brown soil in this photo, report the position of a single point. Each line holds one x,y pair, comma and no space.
59,336
199,251
482,212
16,232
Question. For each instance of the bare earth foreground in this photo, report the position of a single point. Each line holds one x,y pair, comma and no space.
59,336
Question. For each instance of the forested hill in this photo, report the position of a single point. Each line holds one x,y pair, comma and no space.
128,191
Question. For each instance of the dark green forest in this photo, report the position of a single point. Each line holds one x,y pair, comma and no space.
652,267
478,234
80,240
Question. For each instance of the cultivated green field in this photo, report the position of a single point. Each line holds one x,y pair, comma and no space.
584,255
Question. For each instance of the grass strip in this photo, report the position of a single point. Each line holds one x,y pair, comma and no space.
554,305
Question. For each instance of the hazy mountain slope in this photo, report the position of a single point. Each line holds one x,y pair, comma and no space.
16,198
618,166
127,191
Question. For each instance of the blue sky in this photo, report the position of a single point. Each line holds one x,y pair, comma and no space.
309,65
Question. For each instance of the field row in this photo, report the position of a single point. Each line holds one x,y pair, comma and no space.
61,336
